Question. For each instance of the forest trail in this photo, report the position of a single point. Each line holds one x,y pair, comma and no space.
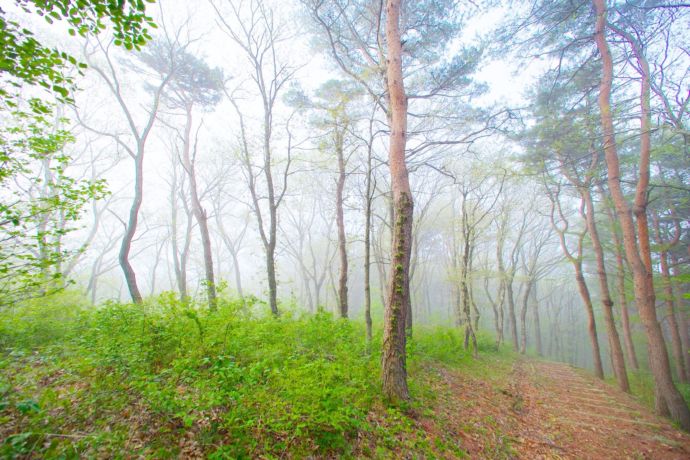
551,410
568,414
573,415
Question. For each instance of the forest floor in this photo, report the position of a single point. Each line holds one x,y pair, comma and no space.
549,410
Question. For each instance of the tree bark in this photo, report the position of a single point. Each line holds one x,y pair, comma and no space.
615,348
340,222
393,362
500,242
199,212
130,230
669,300
668,398
367,243
523,316
576,261
537,324
682,315
510,277
620,287
512,320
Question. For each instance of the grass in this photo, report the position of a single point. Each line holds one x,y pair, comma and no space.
168,380
642,387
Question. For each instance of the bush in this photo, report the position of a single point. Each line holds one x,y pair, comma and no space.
171,379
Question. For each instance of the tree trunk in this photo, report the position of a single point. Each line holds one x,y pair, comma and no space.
180,276
620,287
591,323
238,275
668,398
615,348
669,300
410,270
465,295
367,249
131,229
523,316
393,360
340,222
272,283
199,212
476,315
682,316
537,325
512,320
500,242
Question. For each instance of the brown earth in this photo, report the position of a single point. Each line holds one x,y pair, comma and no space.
547,410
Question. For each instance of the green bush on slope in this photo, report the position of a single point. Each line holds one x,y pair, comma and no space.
167,379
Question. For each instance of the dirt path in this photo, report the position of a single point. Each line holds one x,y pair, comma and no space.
572,415
551,410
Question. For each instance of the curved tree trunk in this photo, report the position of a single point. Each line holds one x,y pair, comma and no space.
576,260
131,229
620,287
591,323
668,398
616,350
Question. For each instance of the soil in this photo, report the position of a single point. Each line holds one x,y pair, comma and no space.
551,411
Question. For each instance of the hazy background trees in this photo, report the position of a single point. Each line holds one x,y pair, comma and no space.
248,155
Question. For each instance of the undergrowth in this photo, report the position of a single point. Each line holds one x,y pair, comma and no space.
165,379
642,387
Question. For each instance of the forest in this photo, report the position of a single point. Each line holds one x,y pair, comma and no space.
344,229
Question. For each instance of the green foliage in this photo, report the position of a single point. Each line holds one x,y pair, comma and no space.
24,59
642,387
144,377
45,202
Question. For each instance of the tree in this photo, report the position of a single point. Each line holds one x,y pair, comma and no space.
394,338
370,189
669,298
510,271
335,114
25,60
564,139
534,268
193,85
253,27
46,203
28,143
668,399
561,224
479,192
180,254
139,136
620,280
312,248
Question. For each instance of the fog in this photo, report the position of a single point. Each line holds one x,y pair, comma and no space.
225,91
